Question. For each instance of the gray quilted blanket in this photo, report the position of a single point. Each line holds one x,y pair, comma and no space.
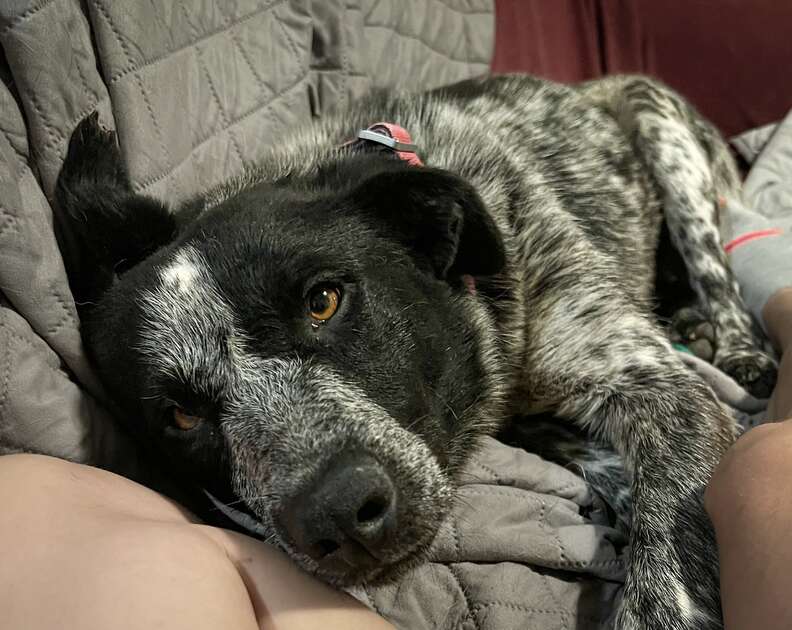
198,90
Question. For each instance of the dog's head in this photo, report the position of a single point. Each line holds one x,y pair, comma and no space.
306,348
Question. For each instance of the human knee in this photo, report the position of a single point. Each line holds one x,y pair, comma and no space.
753,475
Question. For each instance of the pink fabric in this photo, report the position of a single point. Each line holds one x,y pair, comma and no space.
750,236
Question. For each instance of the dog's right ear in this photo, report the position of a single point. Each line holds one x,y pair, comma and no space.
103,227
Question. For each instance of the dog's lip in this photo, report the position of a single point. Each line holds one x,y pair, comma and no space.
243,519
338,561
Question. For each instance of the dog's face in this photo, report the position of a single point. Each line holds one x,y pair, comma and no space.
309,352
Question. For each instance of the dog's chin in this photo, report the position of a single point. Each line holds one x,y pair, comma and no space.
387,572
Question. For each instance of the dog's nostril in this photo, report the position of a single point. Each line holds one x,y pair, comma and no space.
372,509
327,546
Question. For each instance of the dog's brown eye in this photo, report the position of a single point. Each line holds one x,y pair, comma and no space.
323,303
185,421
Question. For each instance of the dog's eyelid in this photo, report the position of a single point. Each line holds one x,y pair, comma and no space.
191,404
341,279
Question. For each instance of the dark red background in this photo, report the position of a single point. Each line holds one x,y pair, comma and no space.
731,58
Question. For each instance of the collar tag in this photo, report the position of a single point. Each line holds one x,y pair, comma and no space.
394,137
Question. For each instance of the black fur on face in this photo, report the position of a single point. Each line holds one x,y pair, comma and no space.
211,321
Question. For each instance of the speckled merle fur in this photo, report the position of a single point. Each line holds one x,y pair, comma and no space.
551,196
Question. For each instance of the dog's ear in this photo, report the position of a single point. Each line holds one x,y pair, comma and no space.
103,227
438,216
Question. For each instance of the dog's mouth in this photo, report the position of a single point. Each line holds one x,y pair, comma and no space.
386,535
343,566
242,518
352,564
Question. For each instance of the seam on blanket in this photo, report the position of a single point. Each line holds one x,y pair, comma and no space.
55,143
157,129
565,615
7,371
335,70
246,57
447,56
223,115
24,17
8,222
455,536
119,74
11,222
233,33
68,315
84,80
114,29
202,67
52,364
289,39
22,158
469,615
557,538
54,369
504,491
344,62
55,136
492,472
562,559
585,564
530,609
553,531
543,578
373,8
145,184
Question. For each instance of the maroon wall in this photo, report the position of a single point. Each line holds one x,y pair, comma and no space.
731,58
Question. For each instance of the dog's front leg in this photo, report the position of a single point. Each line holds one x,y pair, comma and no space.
614,374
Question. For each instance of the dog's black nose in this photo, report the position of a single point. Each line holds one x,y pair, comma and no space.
346,517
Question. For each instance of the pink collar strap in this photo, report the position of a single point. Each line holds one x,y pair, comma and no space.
392,136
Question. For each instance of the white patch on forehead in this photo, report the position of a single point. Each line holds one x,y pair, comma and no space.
188,331
182,272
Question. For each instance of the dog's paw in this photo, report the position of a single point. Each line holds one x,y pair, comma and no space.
93,155
752,369
692,329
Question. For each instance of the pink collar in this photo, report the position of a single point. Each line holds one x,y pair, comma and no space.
392,136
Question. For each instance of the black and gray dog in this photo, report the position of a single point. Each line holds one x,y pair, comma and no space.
323,341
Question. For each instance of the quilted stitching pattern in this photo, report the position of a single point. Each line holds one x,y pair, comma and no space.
438,40
492,565
240,68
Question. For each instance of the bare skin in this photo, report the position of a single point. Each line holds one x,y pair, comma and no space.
84,549
749,502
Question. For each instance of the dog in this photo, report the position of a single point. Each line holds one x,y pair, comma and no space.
322,341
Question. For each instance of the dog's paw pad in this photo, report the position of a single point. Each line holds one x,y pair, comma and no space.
691,328
754,370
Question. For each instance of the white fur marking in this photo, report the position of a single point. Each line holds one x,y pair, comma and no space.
180,274
686,607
